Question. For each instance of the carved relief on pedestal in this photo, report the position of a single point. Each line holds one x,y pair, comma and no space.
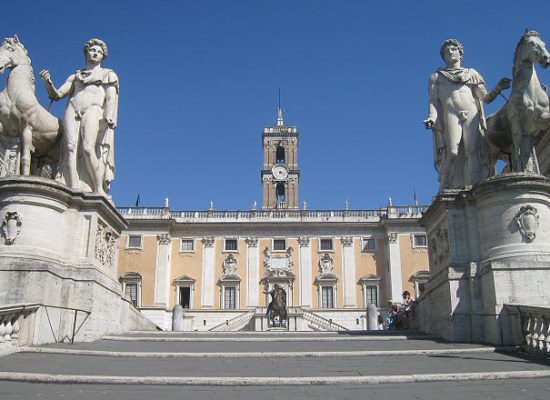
440,249
164,238
11,226
208,241
527,220
106,245
252,241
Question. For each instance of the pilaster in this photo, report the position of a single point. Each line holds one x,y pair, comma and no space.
208,272
162,270
395,286
252,272
305,272
348,272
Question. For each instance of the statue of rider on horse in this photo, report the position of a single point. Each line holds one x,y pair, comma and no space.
276,310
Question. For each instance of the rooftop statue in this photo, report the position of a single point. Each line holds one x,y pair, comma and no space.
513,130
457,119
34,132
87,151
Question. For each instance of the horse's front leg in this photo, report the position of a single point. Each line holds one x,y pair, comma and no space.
516,158
26,144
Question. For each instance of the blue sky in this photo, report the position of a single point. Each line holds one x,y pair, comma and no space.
199,81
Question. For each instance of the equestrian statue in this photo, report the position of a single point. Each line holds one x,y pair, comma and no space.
276,310
513,131
23,118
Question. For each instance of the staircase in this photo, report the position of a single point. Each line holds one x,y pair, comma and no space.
235,324
260,365
318,323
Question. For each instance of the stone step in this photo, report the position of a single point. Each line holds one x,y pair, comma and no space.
264,360
313,368
258,337
502,389
268,381
268,354
260,346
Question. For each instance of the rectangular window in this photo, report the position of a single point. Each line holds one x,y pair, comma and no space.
326,244
134,241
131,292
230,301
372,295
230,244
420,241
279,244
369,244
327,296
187,245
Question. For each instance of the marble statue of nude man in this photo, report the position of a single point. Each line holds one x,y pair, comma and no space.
90,118
456,116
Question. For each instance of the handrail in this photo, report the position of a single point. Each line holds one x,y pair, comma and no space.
326,323
229,324
10,314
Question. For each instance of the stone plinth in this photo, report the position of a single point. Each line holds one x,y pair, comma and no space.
489,246
59,249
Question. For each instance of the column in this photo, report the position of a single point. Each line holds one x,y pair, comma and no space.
208,272
252,273
305,272
162,270
348,272
395,284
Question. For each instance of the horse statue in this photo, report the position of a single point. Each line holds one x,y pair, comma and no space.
512,131
22,116
277,307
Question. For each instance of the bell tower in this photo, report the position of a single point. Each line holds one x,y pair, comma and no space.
280,173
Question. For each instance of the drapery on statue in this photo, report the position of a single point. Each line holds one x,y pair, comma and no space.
277,306
22,116
513,130
87,153
457,119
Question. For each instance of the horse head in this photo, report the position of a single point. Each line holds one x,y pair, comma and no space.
531,49
12,53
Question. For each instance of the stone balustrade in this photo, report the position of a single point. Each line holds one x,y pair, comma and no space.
283,215
535,327
235,323
10,316
324,323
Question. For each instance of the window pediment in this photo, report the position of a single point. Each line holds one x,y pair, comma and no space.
184,279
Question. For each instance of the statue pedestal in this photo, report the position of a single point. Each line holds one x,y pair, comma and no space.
489,246
59,249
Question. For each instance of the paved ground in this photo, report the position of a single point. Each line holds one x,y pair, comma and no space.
502,390
334,367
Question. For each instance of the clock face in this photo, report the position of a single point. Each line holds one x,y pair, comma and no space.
279,172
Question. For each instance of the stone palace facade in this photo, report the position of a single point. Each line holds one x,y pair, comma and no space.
220,265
